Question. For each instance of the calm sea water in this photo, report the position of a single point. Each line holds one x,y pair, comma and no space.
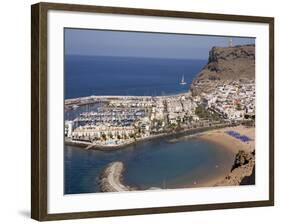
156,163
92,75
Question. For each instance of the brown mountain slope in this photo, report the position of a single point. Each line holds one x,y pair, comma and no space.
225,64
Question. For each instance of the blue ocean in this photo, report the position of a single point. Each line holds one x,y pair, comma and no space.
103,75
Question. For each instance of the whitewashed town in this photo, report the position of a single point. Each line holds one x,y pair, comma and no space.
121,120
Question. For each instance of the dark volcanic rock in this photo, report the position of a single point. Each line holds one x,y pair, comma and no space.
242,172
249,180
242,158
225,64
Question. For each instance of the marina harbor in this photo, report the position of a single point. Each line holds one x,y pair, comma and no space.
114,121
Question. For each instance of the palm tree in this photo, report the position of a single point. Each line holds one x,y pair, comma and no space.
103,136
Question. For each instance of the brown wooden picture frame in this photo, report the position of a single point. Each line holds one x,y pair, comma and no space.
39,121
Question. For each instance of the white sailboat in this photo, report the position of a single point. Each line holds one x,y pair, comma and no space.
182,81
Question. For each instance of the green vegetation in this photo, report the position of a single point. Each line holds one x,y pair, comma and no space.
103,137
174,126
188,118
246,116
249,120
238,107
202,113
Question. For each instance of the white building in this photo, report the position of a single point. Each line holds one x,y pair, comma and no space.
68,128
89,132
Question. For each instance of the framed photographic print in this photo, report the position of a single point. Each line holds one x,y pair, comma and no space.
139,111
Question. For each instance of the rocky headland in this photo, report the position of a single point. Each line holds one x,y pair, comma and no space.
242,171
225,65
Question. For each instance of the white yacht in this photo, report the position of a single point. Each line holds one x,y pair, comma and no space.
182,81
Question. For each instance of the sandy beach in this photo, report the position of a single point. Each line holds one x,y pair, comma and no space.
220,137
228,142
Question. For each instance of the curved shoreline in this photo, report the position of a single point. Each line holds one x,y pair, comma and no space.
220,137
236,175
111,177
175,134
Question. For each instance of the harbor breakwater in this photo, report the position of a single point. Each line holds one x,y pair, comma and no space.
111,178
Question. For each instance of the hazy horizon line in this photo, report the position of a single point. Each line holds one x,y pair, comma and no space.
122,56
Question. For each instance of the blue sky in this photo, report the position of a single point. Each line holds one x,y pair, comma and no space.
140,44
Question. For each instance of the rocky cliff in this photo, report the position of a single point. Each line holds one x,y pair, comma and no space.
225,64
242,171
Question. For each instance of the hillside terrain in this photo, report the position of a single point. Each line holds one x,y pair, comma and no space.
225,65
